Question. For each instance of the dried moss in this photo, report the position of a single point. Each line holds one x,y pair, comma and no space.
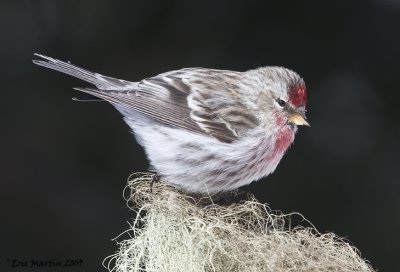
176,231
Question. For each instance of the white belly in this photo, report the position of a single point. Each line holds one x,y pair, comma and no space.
202,164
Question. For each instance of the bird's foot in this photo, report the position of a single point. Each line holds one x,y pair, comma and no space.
155,178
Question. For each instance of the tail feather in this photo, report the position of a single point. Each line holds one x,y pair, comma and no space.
87,99
100,81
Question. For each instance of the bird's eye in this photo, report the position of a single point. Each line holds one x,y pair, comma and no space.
281,102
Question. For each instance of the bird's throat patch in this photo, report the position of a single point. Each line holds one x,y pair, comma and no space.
284,138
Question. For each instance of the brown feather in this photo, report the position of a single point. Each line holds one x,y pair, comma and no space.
165,98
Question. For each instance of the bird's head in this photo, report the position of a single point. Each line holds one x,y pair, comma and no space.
284,95
295,105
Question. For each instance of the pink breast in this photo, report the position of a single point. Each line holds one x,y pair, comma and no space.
269,160
284,138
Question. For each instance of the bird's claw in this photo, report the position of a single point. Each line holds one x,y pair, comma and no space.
154,179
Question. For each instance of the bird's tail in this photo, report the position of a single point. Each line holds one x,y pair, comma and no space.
100,81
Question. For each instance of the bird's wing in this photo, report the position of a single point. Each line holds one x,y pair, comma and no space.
196,99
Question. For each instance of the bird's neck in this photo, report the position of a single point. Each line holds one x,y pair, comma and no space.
284,138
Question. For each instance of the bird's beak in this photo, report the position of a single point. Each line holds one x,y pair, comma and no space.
298,119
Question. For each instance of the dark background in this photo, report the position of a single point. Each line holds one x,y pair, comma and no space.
64,164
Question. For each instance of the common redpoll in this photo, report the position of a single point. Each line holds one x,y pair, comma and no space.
205,130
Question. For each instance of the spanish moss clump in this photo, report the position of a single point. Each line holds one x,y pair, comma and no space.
177,231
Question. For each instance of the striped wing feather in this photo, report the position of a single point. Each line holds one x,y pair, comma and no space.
173,100
196,99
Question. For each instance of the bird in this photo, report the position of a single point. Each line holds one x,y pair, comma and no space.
205,131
